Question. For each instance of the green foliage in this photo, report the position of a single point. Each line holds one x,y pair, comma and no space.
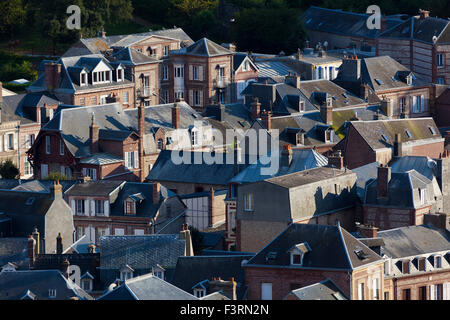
8,170
57,176
16,67
12,16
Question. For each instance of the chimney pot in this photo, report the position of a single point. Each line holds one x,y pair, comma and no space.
176,116
383,178
59,244
156,192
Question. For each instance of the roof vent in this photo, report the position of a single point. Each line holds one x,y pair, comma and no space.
271,256
361,254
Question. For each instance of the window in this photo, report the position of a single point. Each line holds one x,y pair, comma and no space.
179,94
86,285
195,73
126,97
319,73
52,293
440,60
423,196
125,275
94,100
28,169
421,265
423,293
197,94
166,96
10,141
166,51
296,259
438,262
131,160
165,72
103,99
418,104
402,105
301,106
61,147
83,78
248,202
130,208
119,74
119,232
433,132
440,80
82,101
44,171
80,232
199,293
194,137
159,274
406,294
47,145
160,144
179,72
408,133
80,207
99,207
266,291
222,72
91,173
361,291
405,267
376,289
139,232
438,291
95,76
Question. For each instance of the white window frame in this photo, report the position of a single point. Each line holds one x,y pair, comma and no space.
61,147
165,72
440,60
179,72
195,73
52,293
126,97
249,204
100,212
199,292
120,233
48,145
166,50
121,73
266,291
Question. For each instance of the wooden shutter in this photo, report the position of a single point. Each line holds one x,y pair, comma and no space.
200,73
16,141
5,142
445,291
136,159
106,208
191,97
94,174
191,72
72,204
92,208
432,292
201,97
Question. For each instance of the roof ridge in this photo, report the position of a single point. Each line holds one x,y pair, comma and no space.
345,246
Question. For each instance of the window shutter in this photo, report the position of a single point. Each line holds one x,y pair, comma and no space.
201,97
92,208
136,159
63,171
84,172
16,141
86,207
191,72
106,208
200,73
191,97
5,142
422,103
94,174
72,204
432,293
445,295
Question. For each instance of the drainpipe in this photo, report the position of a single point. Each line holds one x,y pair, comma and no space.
351,284
18,149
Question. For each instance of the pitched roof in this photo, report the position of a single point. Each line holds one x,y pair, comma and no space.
204,48
15,285
14,250
332,247
414,240
372,131
325,290
147,287
342,22
423,165
130,56
140,252
94,188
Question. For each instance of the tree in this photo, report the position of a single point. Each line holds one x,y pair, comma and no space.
12,16
57,176
8,170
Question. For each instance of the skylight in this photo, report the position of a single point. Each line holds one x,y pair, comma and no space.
408,133
379,82
385,138
432,130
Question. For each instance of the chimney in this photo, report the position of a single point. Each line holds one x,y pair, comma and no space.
211,204
383,178
35,235
228,288
364,92
293,80
299,54
94,132
176,116
56,190
256,108
336,160
398,145
65,268
52,75
286,156
351,69
102,33
185,234
156,192
59,244
266,118
386,107
368,231
438,220
326,110
424,14
31,250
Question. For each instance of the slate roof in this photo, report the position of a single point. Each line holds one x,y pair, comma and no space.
140,252
232,116
325,290
272,69
165,169
203,48
94,188
414,240
422,30
202,268
423,165
14,250
342,22
101,159
15,285
12,108
41,186
364,174
372,131
147,287
332,247
301,160
131,57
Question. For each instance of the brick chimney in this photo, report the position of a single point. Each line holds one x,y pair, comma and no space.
35,235
185,234
59,244
424,14
65,268
364,91
351,69
266,117
386,106
94,132
383,178
398,145
438,220
336,160
56,190
256,108
286,156
293,80
326,110
52,75
176,116
228,288
31,250
367,231
211,203
156,192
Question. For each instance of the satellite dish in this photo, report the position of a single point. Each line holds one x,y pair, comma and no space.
431,164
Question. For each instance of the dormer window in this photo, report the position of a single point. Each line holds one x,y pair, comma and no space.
158,272
199,292
405,267
126,273
130,207
301,106
437,262
52,293
83,78
409,80
298,252
119,74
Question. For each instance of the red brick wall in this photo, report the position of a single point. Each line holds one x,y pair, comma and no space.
388,218
357,151
415,282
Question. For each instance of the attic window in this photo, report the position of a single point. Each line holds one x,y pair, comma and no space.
334,98
30,201
83,78
271,256
52,293
379,82
433,132
385,138
345,95
361,254
130,208
408,133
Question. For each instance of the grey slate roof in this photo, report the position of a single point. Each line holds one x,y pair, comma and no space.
165,169
332,247
193,270
414,240
203,48
94,188
131,57
272,69
342,22
364,174
423,165
14,285
140,252
372,131
147,287
325,290
101,159
14,250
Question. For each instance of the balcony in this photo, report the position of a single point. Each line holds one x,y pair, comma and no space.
220,82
